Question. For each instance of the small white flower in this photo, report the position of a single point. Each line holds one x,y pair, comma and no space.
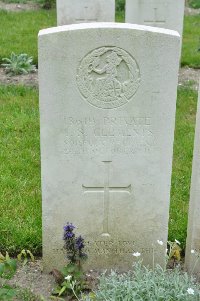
137,254
192,251
68,278
166,251
160,242
190,291
178,242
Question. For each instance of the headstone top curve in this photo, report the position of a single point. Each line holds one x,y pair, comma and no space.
107,25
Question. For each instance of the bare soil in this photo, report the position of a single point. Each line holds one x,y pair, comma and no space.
19,6
189,77
31,276
30,79
191,11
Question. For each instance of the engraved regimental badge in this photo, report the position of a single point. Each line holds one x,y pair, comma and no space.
108,77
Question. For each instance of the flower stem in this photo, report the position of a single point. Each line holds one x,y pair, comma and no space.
72,287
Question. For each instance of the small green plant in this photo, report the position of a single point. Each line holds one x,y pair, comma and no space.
7,292
19,64
89,297
71,277
24,256
27,295
73,281
8,268
174,251
48,4
194,3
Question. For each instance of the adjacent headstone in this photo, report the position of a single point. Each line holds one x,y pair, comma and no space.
160,13
85,11
107,104
193,233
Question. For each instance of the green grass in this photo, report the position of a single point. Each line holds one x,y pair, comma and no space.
20,197
182,163
19,30
120,16
191,42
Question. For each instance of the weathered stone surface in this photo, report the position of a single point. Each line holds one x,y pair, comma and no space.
107,104
160,13
85,11
193,233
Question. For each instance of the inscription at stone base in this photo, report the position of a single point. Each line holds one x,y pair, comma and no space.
95,247
112,247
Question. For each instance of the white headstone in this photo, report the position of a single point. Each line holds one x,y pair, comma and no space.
85,11
160,13
193,233
107,104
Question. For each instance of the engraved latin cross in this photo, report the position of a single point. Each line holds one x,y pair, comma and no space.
106,189
156,20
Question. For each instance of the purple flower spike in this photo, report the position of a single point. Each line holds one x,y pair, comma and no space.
79,243
69,227
73,245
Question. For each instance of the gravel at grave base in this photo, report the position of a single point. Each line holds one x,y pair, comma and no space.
187,77
19,6
191,11
31,276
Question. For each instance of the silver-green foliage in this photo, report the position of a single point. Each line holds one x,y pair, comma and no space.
19,64
143,284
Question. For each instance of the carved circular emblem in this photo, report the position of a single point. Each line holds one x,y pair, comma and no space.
108,77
